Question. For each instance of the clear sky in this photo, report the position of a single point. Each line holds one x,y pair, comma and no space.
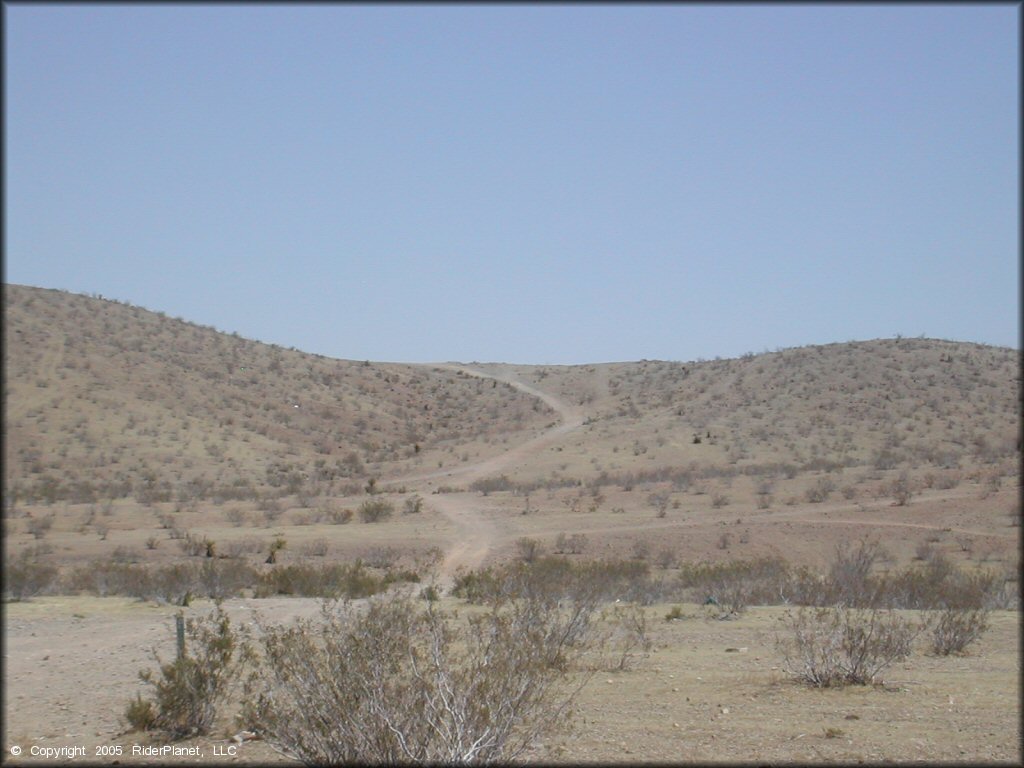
531,184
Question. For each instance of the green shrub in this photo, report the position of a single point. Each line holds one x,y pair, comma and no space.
140,714
192,687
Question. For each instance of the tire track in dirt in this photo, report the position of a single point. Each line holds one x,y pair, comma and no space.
475,534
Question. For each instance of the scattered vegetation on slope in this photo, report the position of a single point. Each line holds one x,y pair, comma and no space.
106,400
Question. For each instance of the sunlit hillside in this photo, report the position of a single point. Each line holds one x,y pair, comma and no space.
105,399
884,403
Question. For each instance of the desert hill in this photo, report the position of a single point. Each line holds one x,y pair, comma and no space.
150,461
104,399
885,403
108,399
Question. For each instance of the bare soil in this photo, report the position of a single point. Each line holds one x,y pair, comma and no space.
72,666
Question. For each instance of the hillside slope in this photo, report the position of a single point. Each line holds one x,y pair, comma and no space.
106,399
885,403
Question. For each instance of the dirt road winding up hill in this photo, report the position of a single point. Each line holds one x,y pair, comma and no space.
475,534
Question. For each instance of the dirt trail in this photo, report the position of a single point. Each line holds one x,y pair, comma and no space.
475,534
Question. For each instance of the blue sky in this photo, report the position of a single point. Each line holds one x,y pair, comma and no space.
532,184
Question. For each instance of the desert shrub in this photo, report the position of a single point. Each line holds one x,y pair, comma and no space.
219,579
839,645
667,558
573,545
236,516
375,510
675,614
25,576
731,592
39,526
123,554
529,549
733,585
476,586
339,516
430,593
317,548
381,557
849,578
105,577
331,580
141,714
641,550
901,490
956,628
561,543
397,683
820,491
489,485
629,635
172,583
194,546
413,505
192,687
939,584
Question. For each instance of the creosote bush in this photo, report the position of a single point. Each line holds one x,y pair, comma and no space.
402,681
192,687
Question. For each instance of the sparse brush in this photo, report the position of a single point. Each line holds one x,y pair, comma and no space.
956,628
192,687
397,683
838,646
630,634
376,510
675,614
25,576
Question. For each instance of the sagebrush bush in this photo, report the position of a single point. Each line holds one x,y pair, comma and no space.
399,683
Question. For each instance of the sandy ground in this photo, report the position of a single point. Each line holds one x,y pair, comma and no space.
71,666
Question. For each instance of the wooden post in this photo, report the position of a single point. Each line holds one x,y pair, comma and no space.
179,621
